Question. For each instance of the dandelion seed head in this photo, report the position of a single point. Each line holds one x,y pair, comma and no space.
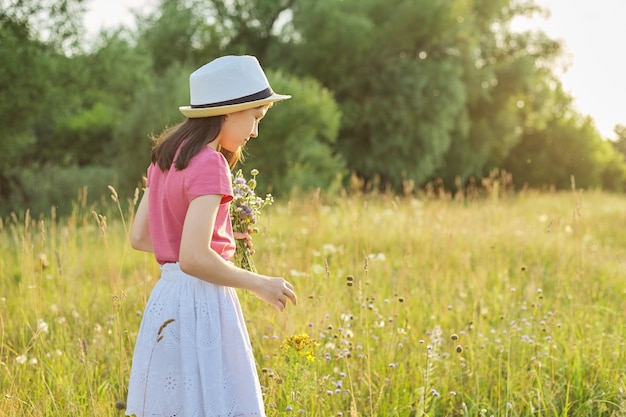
42,326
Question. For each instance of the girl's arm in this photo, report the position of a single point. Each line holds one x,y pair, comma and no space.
140,231
196,257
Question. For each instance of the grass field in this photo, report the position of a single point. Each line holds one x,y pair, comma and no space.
425,305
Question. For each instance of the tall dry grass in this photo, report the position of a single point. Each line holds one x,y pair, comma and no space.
482,303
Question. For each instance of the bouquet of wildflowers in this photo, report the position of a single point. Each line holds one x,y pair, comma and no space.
245,209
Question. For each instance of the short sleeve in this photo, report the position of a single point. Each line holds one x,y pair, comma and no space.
208,173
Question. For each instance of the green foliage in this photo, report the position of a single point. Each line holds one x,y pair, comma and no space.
399,103
88,134
508,90
612,166
421,91
427,89
177,33
620,142
154,108
250,26
294,149
539,159
55,187
487,308
29,64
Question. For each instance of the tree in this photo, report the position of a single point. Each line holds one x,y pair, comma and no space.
620,143
155,107
539,159
507,85
251,26
427,89
295,145
394,70
178,33
29,63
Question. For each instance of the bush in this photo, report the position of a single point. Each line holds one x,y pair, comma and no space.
52,186
294,150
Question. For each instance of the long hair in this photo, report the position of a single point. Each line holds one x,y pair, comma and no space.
190,136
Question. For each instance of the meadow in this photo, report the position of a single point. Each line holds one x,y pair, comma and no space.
485,303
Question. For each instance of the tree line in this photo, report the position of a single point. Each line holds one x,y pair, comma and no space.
390,93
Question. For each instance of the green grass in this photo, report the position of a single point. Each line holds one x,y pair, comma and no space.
433,306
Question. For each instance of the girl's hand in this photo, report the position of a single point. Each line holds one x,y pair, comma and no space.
276,291
247,237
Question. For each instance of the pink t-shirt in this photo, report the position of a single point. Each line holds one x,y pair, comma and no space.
169,198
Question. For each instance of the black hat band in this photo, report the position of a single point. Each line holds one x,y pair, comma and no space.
252,97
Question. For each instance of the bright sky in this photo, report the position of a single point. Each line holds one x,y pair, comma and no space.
593,32
113,13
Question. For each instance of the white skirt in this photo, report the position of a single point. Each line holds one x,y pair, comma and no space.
192,355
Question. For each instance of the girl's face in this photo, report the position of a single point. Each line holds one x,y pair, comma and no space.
239,127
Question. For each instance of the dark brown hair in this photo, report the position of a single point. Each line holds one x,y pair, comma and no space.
191,136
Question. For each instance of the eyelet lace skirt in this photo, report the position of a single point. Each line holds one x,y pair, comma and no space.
192,355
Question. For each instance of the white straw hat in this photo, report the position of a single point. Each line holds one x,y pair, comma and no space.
228,84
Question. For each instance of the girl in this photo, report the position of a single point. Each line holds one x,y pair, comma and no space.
192,355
